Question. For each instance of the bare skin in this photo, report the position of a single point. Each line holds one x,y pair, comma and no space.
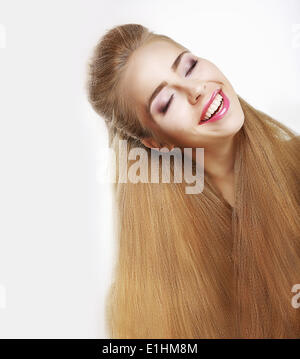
226,187
221,169
175,111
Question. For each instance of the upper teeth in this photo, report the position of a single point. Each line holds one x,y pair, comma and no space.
213,106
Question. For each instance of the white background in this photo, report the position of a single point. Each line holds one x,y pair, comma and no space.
56,246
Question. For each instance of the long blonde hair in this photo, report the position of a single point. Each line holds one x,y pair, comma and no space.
190,266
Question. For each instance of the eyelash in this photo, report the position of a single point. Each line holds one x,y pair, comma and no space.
165,108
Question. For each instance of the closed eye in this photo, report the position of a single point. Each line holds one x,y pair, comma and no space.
164,109
194,63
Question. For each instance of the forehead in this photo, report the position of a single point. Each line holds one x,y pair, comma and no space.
148,66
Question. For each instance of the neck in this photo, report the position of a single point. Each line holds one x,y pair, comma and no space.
219,158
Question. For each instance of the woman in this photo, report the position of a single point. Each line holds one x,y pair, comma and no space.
220,263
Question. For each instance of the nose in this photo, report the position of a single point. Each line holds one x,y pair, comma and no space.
194,89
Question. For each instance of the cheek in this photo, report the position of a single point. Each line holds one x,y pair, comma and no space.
185,116
210,72
181,120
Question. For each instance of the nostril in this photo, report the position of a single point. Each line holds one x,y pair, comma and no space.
197,97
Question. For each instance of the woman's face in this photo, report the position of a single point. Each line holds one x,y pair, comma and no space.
180,93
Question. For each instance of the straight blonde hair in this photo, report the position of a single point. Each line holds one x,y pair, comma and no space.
191,266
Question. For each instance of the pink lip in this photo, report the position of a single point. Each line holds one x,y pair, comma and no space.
222,111
212,97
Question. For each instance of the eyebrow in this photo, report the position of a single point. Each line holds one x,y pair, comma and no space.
164,83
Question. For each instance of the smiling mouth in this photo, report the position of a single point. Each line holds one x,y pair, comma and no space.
213,108
216,108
